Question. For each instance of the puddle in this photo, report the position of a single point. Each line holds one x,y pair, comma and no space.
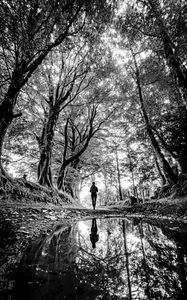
105,259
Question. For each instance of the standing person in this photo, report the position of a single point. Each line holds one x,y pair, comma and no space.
93,191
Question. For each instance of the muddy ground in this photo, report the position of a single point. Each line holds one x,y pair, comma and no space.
22,222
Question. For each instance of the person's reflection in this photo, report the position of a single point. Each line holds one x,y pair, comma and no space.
94,237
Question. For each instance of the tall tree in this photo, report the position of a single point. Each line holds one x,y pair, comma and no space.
158,27
29,31
169,45
63,86
170,175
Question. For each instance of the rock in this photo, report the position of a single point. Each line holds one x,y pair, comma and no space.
34,216
52,218
23,231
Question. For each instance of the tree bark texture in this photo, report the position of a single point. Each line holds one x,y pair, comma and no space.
67,179
45,142
44,168
160,171
6,117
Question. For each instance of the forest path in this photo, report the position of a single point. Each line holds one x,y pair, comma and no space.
100,212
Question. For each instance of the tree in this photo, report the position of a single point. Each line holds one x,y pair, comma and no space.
29,31
170,175
158,30
63,87
77,136
170,48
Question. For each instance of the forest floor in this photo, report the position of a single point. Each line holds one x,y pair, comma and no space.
22,222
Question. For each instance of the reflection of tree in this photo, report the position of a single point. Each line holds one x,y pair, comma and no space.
156,268
180,238
105,273
145,265
65,264
182,269
48,268
171,261
176,253
105,266
127,259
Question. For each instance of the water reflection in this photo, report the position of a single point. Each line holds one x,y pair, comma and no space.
94,237
126,260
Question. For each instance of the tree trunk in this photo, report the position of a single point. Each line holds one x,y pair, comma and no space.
183,160
132,172
118,176
163,179
45,142
143,195
6,117
68,182
44,168
169,174
61,176
67,179
106,187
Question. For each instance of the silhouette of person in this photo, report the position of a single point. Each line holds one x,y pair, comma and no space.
94,237
93,191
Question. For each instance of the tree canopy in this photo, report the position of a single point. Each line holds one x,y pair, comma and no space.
95,90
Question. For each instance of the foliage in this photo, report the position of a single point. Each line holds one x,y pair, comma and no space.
118,77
